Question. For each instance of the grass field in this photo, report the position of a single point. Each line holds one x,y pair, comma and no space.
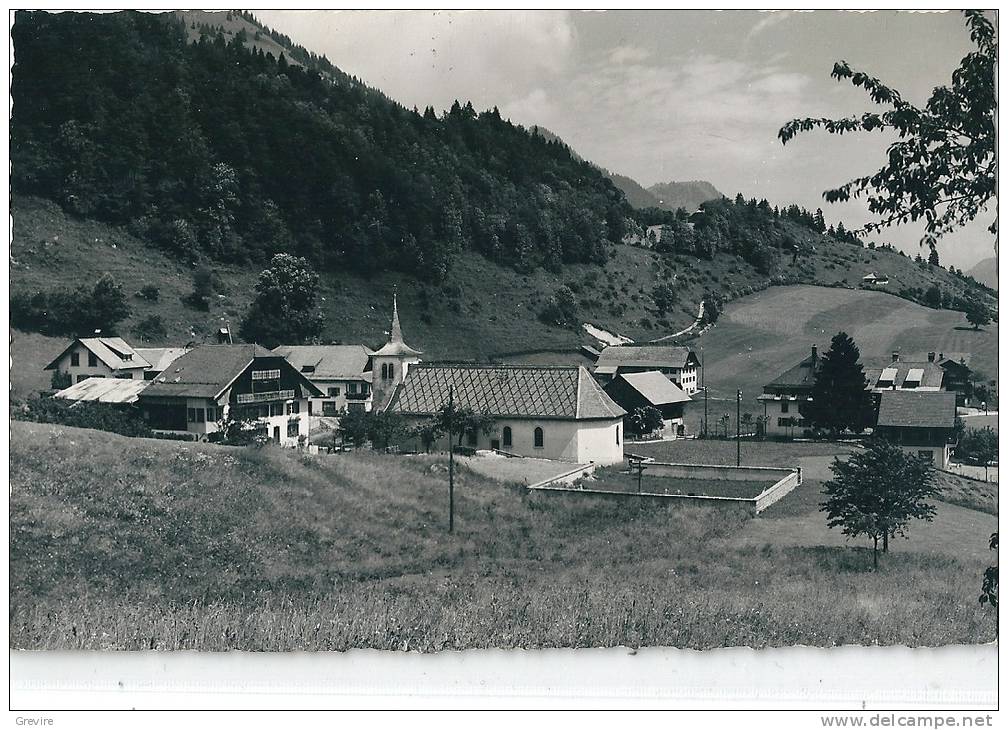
139,544
619,479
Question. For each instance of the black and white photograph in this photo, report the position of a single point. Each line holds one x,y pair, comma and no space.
611,339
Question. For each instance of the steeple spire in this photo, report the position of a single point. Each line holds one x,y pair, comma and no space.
396,333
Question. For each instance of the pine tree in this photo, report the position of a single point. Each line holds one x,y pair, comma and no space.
839,399
933,257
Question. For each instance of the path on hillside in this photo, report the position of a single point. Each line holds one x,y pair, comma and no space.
696,323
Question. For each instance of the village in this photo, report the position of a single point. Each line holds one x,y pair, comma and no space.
559,422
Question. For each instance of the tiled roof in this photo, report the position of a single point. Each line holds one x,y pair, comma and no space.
205,371
160,357
113,351
664,356
926,409
932,377
523,392
104,390
655,387
330,362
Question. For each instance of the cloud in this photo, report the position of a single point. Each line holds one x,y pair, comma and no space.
769,19
628,54
435,57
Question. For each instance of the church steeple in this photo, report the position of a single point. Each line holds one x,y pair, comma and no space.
396,333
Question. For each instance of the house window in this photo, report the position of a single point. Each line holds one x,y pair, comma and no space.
471,438
74,359
309,408
334,392
388,371
929,455
293,407
507,436
211,415
292,428
328,408
307,368
784,405
351,389
266,374
276,409
196,415
617,434
92,360
537,437
783,422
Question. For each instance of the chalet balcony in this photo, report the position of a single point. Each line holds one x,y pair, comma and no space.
358,396
265,397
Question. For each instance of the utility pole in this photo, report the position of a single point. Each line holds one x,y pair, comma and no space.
451,462
705,411
738,428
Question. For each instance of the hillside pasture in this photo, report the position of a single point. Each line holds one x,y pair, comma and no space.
761,336
139,544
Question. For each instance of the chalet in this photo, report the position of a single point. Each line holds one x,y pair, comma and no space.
680,364
921,423
783,396
873,279
651,389
159,358
342,372
958,375
211,383
99,357
546,412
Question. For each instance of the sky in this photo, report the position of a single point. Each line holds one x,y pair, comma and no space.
666,95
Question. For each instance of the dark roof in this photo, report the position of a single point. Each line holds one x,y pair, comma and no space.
658,356
927,409
801,375
657,389
113,351
932,375
205,371
330,362
522,392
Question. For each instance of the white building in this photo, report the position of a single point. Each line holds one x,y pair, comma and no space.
545,412
99,357
678,364
342,372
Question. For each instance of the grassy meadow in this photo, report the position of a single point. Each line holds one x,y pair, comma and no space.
139,544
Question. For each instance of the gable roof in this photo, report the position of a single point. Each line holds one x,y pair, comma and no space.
104,390
160,357
330,362
657,389
931,374
927,409
205,370
654,356
115,352
568,393
801,375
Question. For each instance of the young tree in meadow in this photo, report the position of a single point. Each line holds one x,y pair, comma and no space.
664,296
876,492
104,307
943,167
353,426
977,314
284,311
644,420
839,399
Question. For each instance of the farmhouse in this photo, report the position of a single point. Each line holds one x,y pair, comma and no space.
545,412
99,357
651,389
905,375
680,364
921,423
342,372
211,383
782,397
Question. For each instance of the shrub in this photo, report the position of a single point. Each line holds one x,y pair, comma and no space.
121,419
149,292
151,328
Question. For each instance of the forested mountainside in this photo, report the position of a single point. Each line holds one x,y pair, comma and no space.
217,148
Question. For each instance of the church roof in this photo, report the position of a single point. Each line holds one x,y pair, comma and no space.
396,346
568,393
